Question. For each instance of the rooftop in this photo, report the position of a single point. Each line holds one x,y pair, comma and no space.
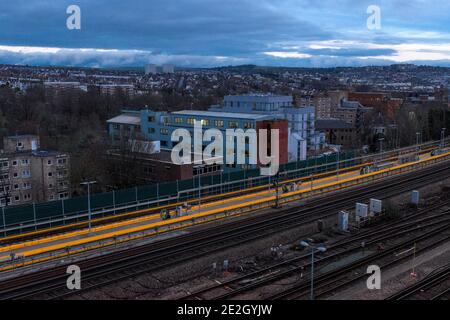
332,124
28,153
350,104
234,115
126,119
21,136
259,97
48,153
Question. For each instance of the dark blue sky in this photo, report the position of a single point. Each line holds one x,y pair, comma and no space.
211,32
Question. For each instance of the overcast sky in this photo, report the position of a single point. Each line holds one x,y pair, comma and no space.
205,33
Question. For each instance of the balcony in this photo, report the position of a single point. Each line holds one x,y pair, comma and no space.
62,188
62,177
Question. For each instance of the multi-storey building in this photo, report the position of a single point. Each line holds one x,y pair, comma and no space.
63,86
350,112
382,102
112,89
338,132
301,136
168,68
321,103
343,109
154,69
29,175
125,127
150,68
158,126
336,98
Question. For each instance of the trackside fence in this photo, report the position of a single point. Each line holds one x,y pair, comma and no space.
23,218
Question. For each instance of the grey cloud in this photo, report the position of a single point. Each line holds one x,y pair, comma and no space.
198,32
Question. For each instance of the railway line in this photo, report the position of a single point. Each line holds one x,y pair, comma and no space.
434,286
57,247
206,198
296,265
337,279
121,265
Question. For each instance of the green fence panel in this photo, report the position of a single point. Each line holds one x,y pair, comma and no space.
101,200
17,215
167,189
185,184
54,209
75,205
126,196
47,210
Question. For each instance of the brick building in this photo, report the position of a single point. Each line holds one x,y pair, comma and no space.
28,174
339,132
381,102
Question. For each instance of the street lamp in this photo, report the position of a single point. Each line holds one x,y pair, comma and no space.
277,190
338,161
319,248
381,148
418,134
88,184
200,172
442,137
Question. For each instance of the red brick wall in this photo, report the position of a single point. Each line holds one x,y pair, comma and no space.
380,101
369,99
282,126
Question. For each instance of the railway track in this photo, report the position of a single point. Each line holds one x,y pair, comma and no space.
434,286
335,280
443,295
125,264
206,198
275,272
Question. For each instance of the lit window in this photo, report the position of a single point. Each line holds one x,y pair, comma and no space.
249,125
233,124
218,123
